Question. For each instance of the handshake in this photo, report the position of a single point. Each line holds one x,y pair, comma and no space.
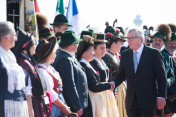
112,85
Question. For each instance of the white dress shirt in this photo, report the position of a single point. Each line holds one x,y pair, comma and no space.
139,52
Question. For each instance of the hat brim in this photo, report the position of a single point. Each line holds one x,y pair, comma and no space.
123,40
61,23
68,44
118,38
77,41
51,40
100,41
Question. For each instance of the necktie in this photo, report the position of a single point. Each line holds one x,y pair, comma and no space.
135,60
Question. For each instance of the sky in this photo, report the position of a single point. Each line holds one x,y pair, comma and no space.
97,12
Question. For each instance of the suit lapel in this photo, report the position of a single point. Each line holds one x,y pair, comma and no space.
131,65
74,60
142,59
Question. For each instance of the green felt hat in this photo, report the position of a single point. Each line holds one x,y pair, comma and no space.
110,29
45,33
60,19
68,38
121,30
160,35
85,32
173,37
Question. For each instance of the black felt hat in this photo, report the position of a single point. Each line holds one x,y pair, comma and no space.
45,48
24,42
99,38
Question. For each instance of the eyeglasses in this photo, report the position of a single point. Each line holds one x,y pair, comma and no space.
131,38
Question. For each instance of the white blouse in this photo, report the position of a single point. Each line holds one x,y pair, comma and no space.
49,80
16,76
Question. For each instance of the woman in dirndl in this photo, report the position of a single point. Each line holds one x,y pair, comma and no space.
38,103
102,101
45,55
12,78
112,60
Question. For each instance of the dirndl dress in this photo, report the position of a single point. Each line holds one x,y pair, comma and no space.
14,108
103,104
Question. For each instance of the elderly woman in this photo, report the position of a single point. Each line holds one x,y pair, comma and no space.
12,80
24,50
45,55
112,59
101,69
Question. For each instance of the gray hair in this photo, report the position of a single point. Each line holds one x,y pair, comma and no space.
5,28
138,32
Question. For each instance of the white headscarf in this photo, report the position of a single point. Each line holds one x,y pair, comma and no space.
16,76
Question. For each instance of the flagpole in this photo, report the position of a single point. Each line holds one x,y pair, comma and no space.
66,6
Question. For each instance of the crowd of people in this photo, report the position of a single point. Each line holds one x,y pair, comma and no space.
90,76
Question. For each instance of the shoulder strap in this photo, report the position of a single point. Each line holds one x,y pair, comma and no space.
41,79
39,66
38,73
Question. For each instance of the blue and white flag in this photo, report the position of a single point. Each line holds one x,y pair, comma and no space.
73,17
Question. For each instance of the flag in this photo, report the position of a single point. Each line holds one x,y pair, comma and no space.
22,16
36,6
73,17
28,17
60,7
3,10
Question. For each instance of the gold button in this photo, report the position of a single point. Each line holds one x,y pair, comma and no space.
83,84
84,94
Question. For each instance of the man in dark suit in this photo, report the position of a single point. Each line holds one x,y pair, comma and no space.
143,68
75,89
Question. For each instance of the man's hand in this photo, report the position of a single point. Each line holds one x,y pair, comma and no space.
80,112
161,102
65,109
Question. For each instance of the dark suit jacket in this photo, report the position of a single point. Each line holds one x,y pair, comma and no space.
149,81
98,68
75,89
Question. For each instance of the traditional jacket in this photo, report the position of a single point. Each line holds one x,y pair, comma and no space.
75,89
101,69
113,63
169,66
